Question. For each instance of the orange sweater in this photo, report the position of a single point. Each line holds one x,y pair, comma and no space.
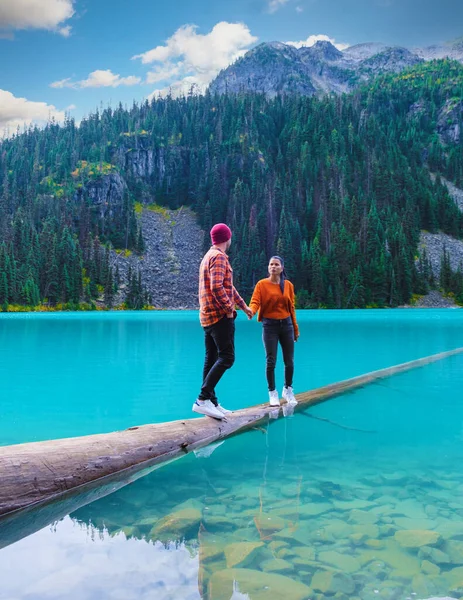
269,302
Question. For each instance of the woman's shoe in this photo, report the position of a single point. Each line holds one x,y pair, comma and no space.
274,399
288,395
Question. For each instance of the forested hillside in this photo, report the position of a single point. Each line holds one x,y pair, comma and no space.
339,186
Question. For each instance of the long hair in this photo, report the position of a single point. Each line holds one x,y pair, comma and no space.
283,273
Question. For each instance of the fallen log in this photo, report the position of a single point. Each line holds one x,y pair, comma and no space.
38,472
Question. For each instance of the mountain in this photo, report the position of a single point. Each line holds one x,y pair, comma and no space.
275,68
340,186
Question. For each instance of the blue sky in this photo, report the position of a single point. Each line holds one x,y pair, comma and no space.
75,55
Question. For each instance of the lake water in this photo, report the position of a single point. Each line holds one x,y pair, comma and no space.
365,504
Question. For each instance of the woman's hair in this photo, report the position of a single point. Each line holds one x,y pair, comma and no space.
283,273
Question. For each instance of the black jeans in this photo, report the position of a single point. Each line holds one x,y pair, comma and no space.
219,340
274,331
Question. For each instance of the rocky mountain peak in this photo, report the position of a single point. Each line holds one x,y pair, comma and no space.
276,68
321,50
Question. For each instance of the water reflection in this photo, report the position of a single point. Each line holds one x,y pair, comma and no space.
305,509
81,562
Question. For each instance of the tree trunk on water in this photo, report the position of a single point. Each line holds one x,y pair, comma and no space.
41,471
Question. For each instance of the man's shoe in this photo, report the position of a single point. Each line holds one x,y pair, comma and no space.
273,398
205,407
288,395
223,410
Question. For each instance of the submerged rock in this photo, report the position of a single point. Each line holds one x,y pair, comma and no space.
257,584
331,582
276,565
177,525
267,523
434,555
429,568
344,562
417,538
240,553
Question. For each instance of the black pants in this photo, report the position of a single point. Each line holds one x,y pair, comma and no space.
274,331
220,355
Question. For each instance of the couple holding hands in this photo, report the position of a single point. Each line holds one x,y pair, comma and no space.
272,300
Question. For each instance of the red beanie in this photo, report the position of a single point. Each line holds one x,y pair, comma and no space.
220,233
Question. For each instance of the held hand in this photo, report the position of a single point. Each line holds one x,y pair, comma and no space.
248,312
230,315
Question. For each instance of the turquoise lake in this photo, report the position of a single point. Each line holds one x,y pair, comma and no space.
359,498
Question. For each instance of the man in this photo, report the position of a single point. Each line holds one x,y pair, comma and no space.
217,300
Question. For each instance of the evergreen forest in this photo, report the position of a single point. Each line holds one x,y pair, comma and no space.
340,186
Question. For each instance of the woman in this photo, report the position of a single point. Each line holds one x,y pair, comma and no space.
273,300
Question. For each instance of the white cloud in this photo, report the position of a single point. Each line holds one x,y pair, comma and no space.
16,112
62,83
313,39
36,14
299,9
96,79
275,5
65,31
161,74
189,58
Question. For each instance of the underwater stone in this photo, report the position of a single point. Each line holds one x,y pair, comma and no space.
240,553
358,538
372,531
277,544
176,525
434,555
417,538
305,553
277,565
264,586
454,549
302,534
267,523
363,517
304,510
345,563
424,586
331,582
373,543
451,529
429,568
392,555
406,523
387,530
352,504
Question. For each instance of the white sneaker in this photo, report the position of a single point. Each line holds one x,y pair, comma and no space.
273,398
205,407
223,410
288,395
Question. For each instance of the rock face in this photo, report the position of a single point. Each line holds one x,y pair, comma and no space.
106,193
435,243
449,121
272,68
390,60
170,264
275,68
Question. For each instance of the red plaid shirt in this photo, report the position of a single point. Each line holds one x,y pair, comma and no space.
217,295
